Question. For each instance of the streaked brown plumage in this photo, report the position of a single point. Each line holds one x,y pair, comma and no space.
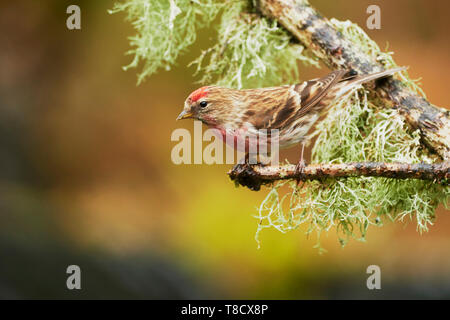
290,109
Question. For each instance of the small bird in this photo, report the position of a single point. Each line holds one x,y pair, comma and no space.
290,109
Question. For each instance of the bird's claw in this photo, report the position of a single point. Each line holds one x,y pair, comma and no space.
299,170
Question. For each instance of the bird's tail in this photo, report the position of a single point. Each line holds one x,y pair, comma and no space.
346,84
366,78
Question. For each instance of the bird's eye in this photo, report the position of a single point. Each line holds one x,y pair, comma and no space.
203,104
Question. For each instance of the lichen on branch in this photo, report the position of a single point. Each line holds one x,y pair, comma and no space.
340,51
356,130
250,50
164,29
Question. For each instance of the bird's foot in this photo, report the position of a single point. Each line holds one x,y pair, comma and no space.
299,170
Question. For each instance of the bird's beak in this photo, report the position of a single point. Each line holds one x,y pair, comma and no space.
185,114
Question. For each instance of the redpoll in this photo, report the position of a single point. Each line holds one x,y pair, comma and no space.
290,109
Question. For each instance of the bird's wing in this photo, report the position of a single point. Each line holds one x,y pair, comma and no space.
313,91
263,106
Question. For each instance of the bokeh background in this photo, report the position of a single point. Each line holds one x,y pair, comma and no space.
86,176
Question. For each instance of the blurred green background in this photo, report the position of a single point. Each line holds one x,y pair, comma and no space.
86,176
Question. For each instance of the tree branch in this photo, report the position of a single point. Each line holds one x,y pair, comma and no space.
253,176
318,35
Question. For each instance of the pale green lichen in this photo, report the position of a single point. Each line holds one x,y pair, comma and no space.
165,29
251,51
355,130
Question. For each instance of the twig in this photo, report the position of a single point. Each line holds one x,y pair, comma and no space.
253,176
337,52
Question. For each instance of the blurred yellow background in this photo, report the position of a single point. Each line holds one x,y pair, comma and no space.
86,175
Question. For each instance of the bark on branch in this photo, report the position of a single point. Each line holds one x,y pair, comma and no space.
253,176
317,34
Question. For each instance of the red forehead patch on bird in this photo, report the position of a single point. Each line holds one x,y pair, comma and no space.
198,94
